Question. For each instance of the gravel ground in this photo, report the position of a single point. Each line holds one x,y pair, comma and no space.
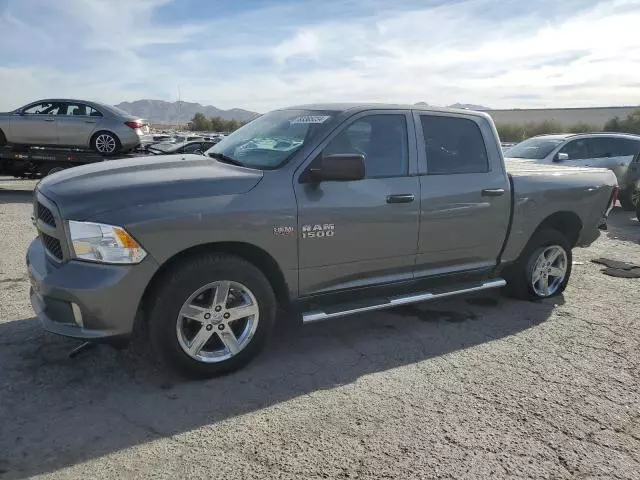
481,387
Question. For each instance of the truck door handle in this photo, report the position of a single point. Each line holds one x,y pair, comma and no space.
49,119
492,192
89,121
401,198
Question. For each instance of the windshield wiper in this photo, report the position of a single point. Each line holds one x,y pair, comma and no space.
226,159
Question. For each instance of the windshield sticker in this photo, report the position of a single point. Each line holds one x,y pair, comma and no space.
310,119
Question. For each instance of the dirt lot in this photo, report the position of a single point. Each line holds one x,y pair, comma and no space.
471,388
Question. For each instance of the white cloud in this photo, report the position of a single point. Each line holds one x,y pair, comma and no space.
458,52
303,43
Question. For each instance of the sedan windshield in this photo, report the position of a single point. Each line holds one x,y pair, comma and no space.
271,139
534,148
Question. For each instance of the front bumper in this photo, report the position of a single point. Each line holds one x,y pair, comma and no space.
86,300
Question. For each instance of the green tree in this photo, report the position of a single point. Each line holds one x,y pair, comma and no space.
582,127
199,123
510,132
630,124
217,124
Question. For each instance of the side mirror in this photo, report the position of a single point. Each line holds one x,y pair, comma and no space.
198,152
561,157
336,168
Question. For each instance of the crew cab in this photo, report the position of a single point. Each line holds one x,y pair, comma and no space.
321,211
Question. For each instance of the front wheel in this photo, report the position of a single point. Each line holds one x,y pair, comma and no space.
211,315
543,268
105,143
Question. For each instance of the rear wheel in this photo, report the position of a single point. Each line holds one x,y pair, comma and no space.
211,315
543,269
3,139
105,143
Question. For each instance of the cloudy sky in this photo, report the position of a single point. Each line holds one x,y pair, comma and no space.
260,54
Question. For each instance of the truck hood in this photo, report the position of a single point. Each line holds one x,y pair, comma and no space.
84,191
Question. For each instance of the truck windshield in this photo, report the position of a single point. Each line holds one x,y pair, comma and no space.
534,148
271,139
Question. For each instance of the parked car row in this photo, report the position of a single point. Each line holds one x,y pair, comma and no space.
614,151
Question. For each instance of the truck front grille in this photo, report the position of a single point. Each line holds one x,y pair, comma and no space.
45,215
50,227
53,245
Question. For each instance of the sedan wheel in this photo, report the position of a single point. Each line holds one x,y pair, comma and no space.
105,143
549,271
217,321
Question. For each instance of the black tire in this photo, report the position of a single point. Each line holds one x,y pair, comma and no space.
626,202
638,211
3,139
101,137
180,283
46,170
519,275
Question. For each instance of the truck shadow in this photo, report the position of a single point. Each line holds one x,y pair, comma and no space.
623,226
57,412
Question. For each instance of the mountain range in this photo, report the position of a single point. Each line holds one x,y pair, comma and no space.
171,113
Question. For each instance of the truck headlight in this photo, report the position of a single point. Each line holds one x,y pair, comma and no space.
97,242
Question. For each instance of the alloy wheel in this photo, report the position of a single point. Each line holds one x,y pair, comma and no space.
217,321
549,271
105,143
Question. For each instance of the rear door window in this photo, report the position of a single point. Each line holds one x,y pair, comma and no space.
453,145
599,147
621,147
80,110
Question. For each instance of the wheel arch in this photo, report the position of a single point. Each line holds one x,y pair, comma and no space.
253,254
567,223
104,130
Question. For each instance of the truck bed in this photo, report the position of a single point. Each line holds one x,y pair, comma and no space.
521,167
569,193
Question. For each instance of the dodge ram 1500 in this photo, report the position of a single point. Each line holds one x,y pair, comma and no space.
320,210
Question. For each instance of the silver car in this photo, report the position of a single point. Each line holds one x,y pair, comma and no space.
614,151
72,123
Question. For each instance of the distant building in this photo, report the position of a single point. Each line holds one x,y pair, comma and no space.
565,116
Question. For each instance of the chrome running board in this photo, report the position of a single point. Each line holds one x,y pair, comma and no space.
397,301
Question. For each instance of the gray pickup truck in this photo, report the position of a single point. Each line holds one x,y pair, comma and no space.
321,211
